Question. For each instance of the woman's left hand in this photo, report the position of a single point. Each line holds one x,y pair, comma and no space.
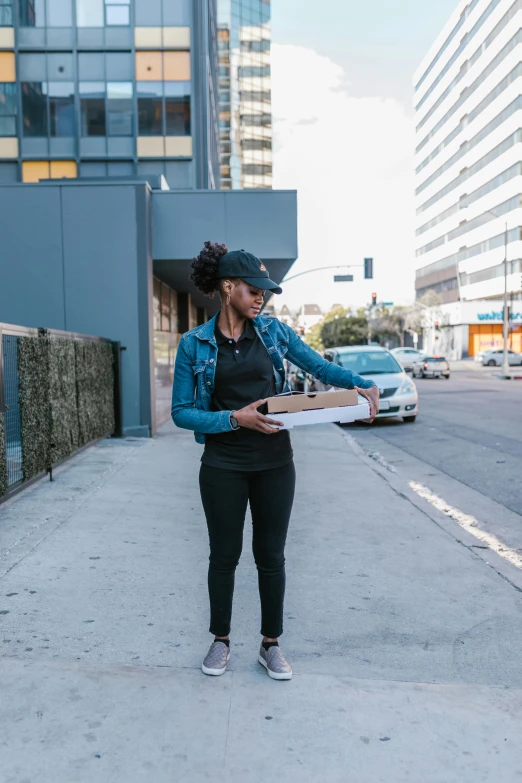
372,395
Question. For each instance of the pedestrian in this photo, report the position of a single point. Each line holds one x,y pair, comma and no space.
225,371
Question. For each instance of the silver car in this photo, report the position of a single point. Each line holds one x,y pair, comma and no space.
407,356
434,366
496,358
398,393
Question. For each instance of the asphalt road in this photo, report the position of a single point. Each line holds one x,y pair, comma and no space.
469,427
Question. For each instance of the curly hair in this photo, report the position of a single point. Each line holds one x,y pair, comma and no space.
205,267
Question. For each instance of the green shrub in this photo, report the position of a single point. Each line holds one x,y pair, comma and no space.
65,437
3,460
33,391
95,390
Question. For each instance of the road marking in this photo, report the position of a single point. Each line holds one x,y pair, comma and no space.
469,523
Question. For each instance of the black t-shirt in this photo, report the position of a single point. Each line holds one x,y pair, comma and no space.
244,374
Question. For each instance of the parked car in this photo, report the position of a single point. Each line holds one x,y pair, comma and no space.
398,393
496,358
479,356
436,366
406,356
296,377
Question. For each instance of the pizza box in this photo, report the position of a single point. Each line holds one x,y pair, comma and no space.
295,409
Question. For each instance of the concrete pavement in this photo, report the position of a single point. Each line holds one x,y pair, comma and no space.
404,640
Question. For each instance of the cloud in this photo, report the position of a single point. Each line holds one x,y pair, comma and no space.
351,160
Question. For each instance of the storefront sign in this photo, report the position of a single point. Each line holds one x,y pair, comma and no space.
496,315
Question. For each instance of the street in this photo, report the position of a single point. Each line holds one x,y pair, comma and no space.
469,430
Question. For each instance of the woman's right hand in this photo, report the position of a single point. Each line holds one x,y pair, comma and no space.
250,418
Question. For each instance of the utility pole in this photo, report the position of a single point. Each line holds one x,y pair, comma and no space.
505,362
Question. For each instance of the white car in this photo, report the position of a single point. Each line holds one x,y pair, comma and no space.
407,356
496,358
398,393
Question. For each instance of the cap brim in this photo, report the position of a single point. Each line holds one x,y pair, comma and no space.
263,282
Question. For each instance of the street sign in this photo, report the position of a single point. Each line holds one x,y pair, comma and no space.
368,268
387,304
343,278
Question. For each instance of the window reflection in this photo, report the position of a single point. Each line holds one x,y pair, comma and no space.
150,109
34,108
6,13
8,109
119,108
117,14
92,106
59,13
32,13
89,13
61,108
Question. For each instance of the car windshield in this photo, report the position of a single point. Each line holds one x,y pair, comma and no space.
369,362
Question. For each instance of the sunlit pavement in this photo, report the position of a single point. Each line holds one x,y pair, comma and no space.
403,631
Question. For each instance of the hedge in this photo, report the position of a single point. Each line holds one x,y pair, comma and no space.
66,395
33,394
95,390
3,458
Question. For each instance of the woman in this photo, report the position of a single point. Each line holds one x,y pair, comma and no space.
225,371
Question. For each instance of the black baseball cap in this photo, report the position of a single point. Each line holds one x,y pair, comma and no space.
239,263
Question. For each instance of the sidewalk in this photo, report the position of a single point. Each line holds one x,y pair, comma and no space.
405,645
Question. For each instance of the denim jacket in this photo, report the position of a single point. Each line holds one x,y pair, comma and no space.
195,371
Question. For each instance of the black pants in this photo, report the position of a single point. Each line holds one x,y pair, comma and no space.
225,495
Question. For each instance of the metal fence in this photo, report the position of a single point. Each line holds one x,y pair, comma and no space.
13,458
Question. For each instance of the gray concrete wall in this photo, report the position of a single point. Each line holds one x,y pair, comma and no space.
70,259
262,221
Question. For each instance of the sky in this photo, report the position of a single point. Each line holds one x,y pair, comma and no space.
342,75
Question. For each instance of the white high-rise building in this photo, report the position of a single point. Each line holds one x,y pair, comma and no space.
468,176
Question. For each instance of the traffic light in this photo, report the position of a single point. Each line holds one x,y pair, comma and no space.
436,326
374,300
368,268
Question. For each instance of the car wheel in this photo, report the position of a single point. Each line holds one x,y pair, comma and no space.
447,377
492,363
409,419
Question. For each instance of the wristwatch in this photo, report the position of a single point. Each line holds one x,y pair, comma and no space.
233,421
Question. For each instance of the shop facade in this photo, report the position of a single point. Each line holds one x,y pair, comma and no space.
459,330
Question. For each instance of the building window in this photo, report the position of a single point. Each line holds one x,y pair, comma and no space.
257,169
177,109
61,108
34,108
164,109
59,13
6,13
89,13
117,12
150,108
32,13
92,107
256,144
8,109
156,304
119,109
165,308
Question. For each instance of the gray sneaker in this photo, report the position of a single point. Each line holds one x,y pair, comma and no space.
216,659
275,663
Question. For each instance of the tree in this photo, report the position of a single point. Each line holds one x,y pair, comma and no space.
416,317
345,330
388,324
313,338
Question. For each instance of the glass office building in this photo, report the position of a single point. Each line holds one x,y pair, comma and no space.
93,88
245,119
